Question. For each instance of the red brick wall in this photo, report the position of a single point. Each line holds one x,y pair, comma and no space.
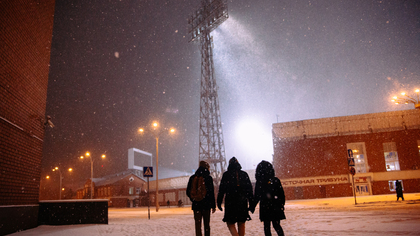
25,40
328,156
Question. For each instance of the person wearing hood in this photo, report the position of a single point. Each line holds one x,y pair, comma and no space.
201,208
236,185
398,190
269,192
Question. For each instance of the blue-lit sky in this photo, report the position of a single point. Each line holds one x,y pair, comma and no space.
118,65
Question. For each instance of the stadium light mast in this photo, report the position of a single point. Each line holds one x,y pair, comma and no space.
209,15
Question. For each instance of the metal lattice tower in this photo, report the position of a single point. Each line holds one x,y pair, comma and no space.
208,17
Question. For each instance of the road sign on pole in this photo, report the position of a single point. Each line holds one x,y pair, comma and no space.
350,159
148,171
350,153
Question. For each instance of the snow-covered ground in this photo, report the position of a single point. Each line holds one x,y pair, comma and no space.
373,215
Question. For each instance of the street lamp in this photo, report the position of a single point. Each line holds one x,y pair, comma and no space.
61,177
157,132
405,99
91,171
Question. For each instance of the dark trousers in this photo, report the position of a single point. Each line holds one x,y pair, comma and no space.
203,215
276,226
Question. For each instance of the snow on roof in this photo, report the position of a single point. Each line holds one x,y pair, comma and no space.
348,125
109,179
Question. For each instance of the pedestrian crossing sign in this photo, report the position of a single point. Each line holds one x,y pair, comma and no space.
351,161
148,171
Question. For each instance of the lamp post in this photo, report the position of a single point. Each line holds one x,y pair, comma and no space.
405,99
157,132
91,171
61,177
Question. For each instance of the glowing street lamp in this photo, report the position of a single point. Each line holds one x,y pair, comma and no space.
61,177
91,171
157,132
405,99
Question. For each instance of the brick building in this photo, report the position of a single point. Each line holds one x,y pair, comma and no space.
25,41
122,189
310,156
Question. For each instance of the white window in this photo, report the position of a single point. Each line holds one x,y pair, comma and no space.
359,155
391,156
137,190
131,190
183,197
170,196
392,185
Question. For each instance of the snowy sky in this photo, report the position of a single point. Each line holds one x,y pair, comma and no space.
118,65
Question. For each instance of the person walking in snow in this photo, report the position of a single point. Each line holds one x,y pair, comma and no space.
398,189
202,205
236,185
269,192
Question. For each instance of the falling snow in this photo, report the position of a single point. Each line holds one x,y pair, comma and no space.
275,61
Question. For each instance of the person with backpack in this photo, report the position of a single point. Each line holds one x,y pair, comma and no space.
200,190
236,185
269,192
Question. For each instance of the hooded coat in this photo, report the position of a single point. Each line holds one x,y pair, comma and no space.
209,201
269,192
236,185
398,189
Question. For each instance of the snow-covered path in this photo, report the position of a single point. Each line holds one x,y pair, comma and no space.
373,215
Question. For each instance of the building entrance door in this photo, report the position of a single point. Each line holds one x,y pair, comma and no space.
362,189
362,186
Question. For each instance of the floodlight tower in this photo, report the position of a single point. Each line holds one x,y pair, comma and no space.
209,15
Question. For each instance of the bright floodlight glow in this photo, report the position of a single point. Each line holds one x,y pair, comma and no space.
141,130
395,97
70,169
403,93
417,90
254,140
155,124
47,177
81,157
103,156
172,130
56,168
87,154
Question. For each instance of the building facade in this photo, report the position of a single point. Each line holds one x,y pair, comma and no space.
311,156
25,39
122,189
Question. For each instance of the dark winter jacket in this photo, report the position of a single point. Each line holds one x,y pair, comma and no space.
398,189
209,201
269,192
236,185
